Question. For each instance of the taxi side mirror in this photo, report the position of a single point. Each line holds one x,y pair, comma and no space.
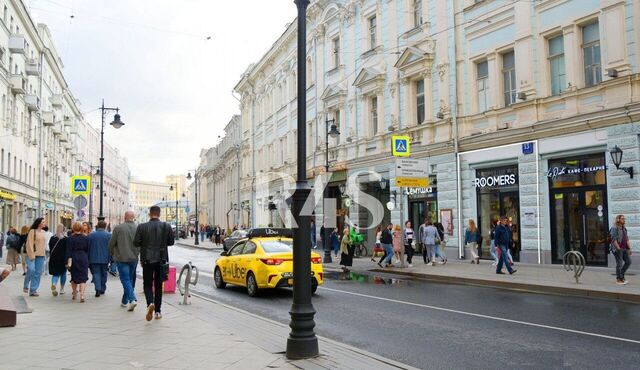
224,253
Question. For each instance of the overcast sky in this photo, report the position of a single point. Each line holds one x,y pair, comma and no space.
152,59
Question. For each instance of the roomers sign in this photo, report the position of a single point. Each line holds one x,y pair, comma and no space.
496,181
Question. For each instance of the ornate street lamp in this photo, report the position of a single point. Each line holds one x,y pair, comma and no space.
302,342
171,188
616,157
116,123
334,133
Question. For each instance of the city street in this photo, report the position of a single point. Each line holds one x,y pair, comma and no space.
431,325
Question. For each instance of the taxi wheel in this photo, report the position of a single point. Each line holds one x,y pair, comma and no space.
217,279
252,285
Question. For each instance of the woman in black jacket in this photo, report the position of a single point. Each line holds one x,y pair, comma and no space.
58,260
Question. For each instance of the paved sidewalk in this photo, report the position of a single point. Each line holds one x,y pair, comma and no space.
98,334
597,282
206,244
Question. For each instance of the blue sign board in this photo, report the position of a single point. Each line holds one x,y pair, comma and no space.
527,148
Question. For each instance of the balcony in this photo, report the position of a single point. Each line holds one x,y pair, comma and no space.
56,100
48,119
32,67
32,101
64,137
17,44
18,84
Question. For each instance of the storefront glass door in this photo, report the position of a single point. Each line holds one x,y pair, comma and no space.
580,224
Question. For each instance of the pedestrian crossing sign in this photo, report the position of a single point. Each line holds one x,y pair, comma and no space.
80,185
400,146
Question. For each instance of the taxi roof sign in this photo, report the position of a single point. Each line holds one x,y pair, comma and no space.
270,232
80,185
400,146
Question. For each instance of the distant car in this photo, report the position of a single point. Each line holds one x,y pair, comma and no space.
263,260
233,239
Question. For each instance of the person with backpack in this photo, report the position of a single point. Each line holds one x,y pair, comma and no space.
430,238
386,239
620,248
13,248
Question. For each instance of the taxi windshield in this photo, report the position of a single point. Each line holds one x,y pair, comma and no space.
276,246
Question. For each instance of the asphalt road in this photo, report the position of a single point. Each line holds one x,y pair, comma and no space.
443,326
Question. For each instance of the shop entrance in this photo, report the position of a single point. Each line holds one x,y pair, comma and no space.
579,208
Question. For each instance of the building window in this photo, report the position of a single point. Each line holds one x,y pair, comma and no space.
556,65
509,78
417,13
420,102
372,32
482,84
335,44
591,53
373,114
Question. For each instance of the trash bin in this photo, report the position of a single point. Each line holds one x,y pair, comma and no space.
169,286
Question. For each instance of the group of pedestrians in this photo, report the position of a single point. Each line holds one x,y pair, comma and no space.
82,250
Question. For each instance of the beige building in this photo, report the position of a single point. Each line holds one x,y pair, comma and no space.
145,194
44,138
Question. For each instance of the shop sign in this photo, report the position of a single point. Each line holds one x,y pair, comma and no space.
411,182
7,195
418,191
495,181
561,171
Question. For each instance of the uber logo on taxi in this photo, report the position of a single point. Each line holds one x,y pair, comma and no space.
235,271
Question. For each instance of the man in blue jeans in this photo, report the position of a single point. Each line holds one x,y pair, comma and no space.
99,257
502,241
125,255
386,240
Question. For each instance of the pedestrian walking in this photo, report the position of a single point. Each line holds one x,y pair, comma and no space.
335,241
48,235
217,234
378,246
35,251
153,238
503,241
386,240
492,236
312,231
430,238
13,248
99,257
58,260
621,249
346,250
471,237
24,230
441,246
1,244
408,242
78,260
125,254
397,244
202,233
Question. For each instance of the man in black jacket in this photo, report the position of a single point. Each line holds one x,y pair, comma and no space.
152,238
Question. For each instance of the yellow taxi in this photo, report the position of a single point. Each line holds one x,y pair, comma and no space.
263,260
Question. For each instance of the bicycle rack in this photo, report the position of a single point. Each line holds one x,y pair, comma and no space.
189,280
574,261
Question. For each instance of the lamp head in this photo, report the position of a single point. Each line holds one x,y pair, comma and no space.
117,123
189,176
383,183
333,132
616,156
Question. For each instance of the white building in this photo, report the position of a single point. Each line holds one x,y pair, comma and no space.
44,137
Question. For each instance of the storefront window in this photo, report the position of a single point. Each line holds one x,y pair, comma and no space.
497,195
575,172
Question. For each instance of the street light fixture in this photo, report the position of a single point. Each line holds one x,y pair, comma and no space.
302,342
195,179
334,133
171,188
116,123
616,157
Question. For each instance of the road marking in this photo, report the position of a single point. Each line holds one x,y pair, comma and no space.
484,316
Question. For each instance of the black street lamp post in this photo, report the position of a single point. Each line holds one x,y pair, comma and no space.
117,123
171,188
195,179
325,237
302,342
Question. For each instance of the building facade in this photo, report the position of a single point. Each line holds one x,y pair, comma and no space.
166,195
516,107
45,138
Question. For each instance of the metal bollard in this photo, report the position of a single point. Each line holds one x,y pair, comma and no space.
574,261
189,280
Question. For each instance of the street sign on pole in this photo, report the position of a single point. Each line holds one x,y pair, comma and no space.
80,185
400,146
80,202
410,182
416,168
